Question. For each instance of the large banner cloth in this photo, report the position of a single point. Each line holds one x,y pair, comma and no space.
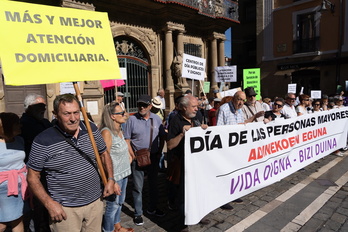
44,44
224,163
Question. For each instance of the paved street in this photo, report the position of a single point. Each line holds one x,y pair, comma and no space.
312,199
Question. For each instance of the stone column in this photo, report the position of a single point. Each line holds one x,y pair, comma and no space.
214,62
180,51
168,59
221,44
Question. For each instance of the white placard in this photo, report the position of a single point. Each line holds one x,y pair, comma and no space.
292,88
226,74
316,94
123,73
229,92
193,67
236,160
92,107
67,87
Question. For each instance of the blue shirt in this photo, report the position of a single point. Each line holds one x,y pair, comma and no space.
71,179
227,117
138,131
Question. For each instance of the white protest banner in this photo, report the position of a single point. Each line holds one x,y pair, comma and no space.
316,94
224,163
193,67
226,74
291,88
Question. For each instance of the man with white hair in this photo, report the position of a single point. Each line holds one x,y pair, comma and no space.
33,123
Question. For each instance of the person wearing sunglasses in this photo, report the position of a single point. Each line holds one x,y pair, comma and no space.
137,134
289,109
112,118
301,109
252,109
275,113
316,106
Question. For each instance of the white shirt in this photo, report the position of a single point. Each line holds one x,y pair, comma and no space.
289,111
163,102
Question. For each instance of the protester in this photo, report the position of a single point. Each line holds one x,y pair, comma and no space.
231,112
13,184
275,113
203,103
119,99
32,120
324,102
301,109
145,130
112,118
33,123
338,100
289,109
212,115
266,104
174,111
316,106
64,152
252,109
157,108
160,96
182,122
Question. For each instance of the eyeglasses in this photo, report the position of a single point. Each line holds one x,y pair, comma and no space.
316,104
306,99
292,99
144,105
279,105
119,113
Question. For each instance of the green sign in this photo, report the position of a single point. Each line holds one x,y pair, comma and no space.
206,87
251,78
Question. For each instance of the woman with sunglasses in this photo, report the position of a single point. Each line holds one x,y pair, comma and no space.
112,118
316,106
275,113
301,109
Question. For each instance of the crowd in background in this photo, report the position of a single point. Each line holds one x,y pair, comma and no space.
37,153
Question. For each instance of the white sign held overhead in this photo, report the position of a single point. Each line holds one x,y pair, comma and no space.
226,74
193,67
316,94
123,73
291,88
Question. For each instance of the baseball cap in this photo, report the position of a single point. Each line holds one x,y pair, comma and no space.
144,99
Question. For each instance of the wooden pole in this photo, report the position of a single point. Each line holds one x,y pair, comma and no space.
90,134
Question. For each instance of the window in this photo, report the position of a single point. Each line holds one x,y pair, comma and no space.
193,49
306,34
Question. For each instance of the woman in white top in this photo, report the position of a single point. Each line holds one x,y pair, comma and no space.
301,109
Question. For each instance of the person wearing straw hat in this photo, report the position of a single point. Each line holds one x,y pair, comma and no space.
157,108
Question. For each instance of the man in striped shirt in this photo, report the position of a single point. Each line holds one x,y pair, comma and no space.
74,189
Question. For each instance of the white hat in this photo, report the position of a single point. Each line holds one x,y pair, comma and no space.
120,94
156,103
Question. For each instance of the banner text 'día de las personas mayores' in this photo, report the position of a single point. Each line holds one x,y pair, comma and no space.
224,163
44,44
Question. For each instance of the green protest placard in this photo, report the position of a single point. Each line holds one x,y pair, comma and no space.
206,87
251,78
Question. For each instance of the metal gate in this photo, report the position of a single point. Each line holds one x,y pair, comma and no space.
130,56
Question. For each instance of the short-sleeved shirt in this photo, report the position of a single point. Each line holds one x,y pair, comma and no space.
138,129
289,111
250,110
175,128
301,109
71,179
228,117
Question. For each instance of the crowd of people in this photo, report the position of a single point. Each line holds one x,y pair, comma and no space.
49,177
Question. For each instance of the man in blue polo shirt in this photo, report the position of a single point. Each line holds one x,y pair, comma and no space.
74,189
137,135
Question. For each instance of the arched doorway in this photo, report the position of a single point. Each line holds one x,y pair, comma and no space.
132,56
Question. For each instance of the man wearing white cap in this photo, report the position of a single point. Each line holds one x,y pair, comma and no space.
119,99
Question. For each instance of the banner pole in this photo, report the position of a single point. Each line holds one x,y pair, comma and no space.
90,134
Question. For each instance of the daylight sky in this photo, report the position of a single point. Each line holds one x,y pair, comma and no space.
228,43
